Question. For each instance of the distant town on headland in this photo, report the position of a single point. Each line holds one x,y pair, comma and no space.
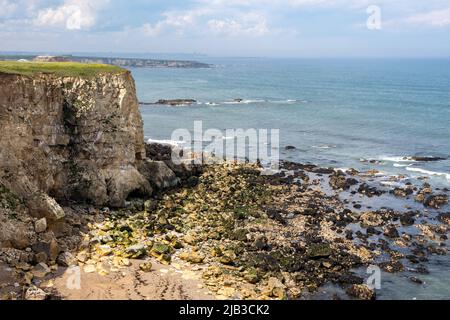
121,62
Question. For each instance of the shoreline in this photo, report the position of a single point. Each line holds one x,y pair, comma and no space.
291,234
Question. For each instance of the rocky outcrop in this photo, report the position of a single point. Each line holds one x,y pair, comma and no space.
71,139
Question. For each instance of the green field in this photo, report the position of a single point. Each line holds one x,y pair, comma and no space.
68,69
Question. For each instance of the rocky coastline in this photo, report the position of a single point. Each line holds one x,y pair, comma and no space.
244,235
79,188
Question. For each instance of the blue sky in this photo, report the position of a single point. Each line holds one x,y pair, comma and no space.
279,28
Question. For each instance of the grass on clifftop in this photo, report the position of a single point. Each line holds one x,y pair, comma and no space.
67,69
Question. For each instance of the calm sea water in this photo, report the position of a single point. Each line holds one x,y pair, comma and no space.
335,112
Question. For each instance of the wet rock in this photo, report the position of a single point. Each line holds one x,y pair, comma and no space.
423,193
40,225
402,192
361,292
444,217
350,279
340,181
422,270
176,102
320,170
34,293
369,191
391,232
416,280
392,266
425,159
352,172
290,148
158,151
436,201
372,231
407,220
349,234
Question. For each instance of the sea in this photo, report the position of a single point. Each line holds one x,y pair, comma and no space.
343,113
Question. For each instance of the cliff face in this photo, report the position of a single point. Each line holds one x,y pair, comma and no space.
71,138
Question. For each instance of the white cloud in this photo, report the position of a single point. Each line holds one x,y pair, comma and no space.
436,18
72,14
252,24
178,21
7,8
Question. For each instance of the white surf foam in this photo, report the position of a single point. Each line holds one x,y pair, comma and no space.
398,165
324,146
395,159
430,173
171,143
246,101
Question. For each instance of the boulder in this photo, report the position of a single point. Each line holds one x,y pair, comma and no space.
36,294
159,174
126,183
50,248
40,225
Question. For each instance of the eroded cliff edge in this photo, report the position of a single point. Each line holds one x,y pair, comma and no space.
71,139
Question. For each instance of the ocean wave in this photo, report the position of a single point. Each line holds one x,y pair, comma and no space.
398,165
251,101
396,159
324,146
430,173
172,143
246,101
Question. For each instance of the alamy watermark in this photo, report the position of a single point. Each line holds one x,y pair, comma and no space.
214,145
374,279
374,21
74,278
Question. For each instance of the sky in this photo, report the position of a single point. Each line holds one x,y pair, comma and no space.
261,28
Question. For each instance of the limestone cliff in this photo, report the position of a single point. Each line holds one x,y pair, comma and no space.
71,139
